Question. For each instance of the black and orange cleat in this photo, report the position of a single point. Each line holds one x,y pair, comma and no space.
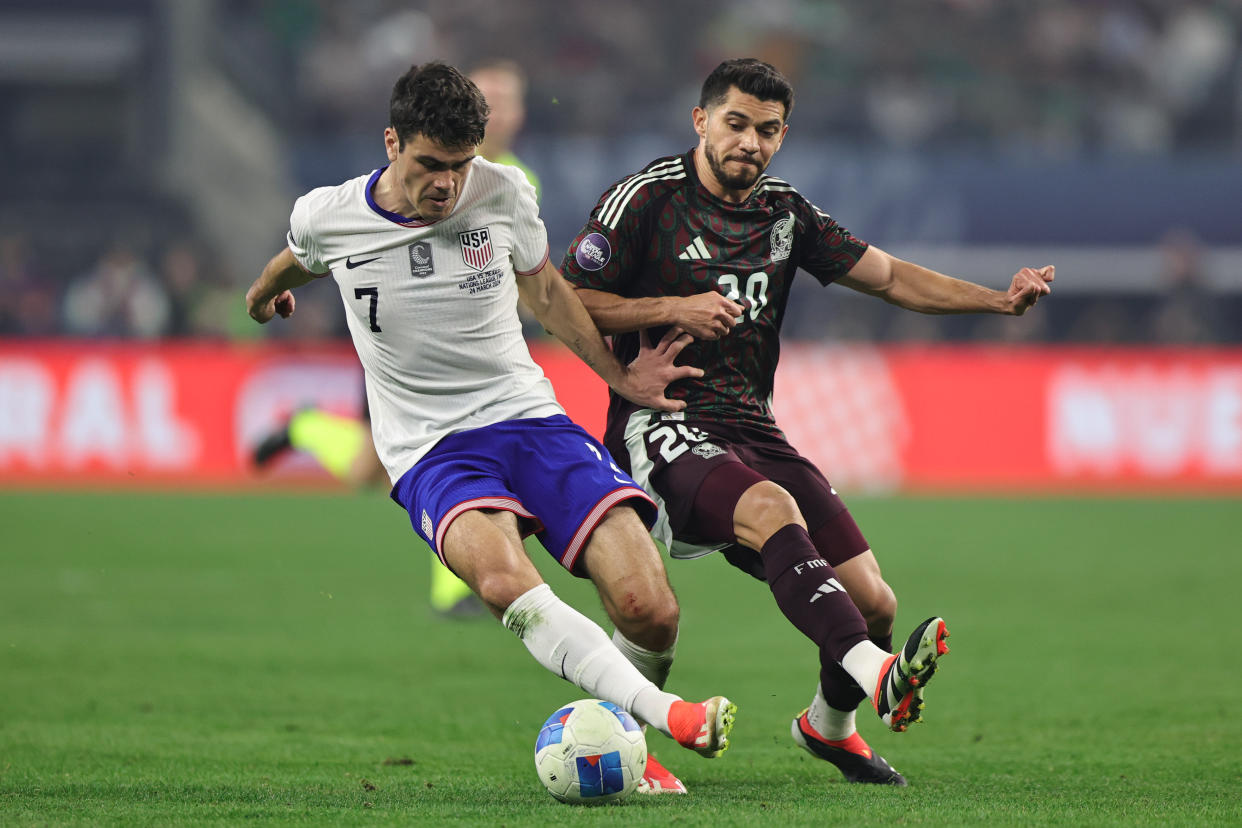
898,697
853,756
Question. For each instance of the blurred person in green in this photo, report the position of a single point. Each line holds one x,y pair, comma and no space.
503,84
341,444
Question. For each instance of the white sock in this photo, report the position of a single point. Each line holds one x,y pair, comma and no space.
829,722
575,648
864,662
654,665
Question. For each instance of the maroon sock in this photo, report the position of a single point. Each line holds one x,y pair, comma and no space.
840,540
839,688
808,593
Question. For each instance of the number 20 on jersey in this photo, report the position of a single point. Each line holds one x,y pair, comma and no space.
755,290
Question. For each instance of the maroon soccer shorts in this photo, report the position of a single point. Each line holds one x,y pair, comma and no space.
692,469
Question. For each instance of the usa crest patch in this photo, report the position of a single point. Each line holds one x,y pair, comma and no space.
476,247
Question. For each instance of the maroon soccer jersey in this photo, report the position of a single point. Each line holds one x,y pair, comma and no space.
661,233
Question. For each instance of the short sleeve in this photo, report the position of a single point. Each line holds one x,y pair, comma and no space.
604,257
530,237
829,251
301,239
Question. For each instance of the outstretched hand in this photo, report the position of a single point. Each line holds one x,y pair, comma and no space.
652,370
1028,285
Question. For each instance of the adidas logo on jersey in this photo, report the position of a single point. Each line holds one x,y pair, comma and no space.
695,250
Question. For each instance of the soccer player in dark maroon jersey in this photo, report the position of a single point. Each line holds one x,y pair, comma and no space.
706,242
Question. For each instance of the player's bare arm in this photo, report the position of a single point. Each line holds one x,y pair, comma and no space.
272,292
557,307
918,288
704,315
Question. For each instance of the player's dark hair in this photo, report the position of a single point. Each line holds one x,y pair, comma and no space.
440,103
754,77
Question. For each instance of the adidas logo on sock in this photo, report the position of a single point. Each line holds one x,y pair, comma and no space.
832,585
695,250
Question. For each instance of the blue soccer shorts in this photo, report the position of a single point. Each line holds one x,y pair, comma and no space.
555,477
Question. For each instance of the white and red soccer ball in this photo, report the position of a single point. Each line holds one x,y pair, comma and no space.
590,752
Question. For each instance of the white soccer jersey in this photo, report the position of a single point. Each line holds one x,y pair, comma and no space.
432,306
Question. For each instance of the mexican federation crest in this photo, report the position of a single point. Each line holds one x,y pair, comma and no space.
707,450
781,241
476,247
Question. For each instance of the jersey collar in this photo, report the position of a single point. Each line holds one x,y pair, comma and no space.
692,173
395,218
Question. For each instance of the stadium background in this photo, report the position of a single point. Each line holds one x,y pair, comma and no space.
170,654
151,151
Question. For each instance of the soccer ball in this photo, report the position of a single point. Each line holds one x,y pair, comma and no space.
590,752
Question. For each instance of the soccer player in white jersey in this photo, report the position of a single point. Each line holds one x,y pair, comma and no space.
431,254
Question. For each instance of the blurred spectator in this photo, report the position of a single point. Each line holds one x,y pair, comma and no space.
31,295
347,64
332,81
503,84
180,273
1107,319
119,297
926,82
1197,48
1188,313
202,299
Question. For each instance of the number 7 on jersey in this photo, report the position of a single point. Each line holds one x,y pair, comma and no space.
373,292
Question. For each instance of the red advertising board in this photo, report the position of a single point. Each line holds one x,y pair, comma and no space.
875,419
996,418
125,413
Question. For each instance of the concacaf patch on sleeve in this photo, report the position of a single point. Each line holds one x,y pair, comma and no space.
593,252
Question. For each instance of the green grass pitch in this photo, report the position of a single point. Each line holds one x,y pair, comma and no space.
198,659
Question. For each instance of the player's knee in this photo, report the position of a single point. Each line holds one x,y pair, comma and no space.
498,588
762,510
664,620
649,621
